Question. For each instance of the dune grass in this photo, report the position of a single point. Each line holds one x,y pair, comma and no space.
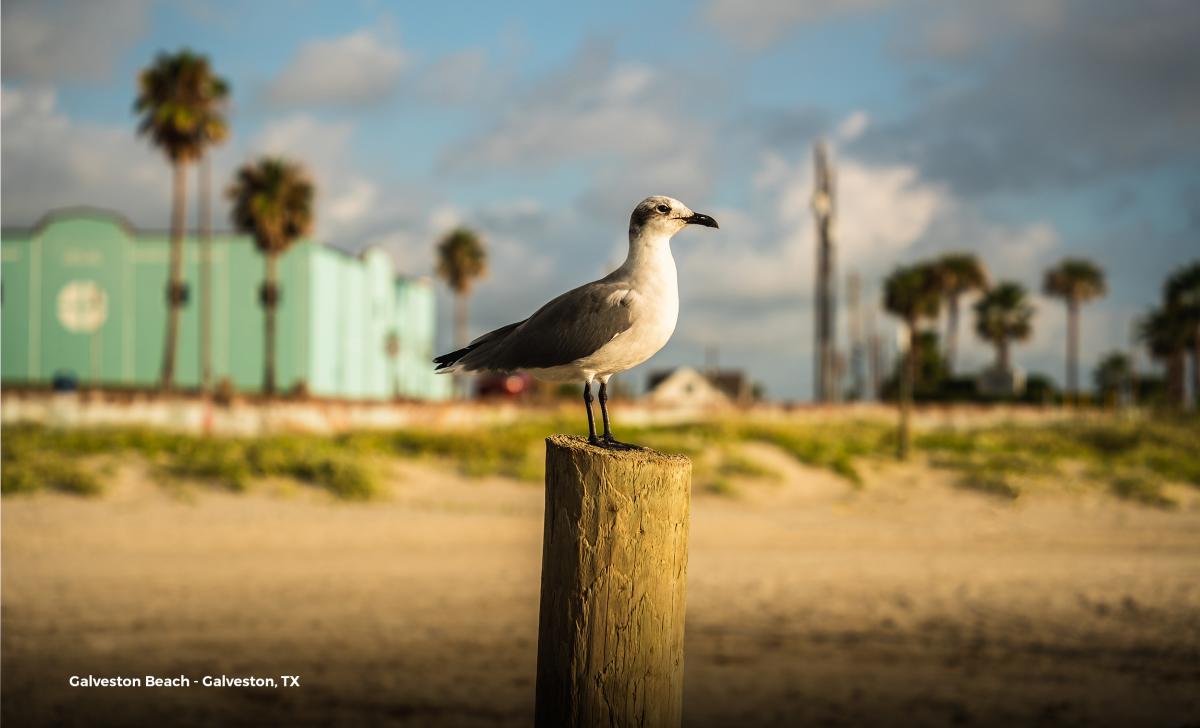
1132,459
734,464
1141,488
37,458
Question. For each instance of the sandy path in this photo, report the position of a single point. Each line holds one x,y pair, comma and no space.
907,602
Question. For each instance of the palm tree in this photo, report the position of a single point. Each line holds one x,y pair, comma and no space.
461,260
911,294
1113,376
1167,335
181,104
1004,315
1076,281
958,274
272,201
1182,294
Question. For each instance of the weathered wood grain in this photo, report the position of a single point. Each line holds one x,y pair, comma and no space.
614,571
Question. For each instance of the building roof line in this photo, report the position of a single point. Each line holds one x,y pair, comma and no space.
137,235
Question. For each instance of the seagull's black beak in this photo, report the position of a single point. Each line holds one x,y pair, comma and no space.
697,219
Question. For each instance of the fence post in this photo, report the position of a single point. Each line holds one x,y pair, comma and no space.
614,572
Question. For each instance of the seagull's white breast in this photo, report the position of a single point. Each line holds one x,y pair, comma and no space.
653,300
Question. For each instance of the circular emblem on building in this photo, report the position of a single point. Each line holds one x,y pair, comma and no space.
82,306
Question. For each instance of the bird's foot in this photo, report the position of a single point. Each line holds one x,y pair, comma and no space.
609,442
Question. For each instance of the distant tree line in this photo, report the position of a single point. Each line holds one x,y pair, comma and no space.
917,293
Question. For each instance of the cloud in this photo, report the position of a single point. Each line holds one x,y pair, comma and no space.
1044,94
346,199
752,284
763,23
1058,94
52,161
628,124
604,109
353,70
767,252
852,127
461,77
56,40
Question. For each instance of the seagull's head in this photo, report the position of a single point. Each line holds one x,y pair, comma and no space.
659,215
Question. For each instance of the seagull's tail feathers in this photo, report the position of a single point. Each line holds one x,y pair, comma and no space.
448,363
473,356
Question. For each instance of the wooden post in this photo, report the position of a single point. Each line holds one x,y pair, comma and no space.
614,569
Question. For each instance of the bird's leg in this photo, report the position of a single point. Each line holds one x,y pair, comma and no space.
587,401
607,437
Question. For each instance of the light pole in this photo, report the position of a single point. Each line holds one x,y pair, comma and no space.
823,207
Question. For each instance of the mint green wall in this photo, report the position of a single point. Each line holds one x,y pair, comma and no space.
15,321
334,317
414,305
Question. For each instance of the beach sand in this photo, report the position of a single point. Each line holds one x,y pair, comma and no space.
905,602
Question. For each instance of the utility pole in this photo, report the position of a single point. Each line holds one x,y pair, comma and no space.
857,354
874,354
711,354
823,207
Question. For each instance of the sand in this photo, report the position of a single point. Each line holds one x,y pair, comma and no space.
907,602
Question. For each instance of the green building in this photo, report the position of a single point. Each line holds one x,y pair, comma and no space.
83,295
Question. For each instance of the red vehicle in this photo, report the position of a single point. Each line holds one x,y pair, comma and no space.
502,385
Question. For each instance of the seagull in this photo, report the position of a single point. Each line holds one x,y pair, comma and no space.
601,328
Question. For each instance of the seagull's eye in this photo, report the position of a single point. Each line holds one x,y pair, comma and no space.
663,209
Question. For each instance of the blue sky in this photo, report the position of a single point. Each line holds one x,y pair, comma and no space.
1024,131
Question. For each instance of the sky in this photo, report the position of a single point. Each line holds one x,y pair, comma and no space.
1023,131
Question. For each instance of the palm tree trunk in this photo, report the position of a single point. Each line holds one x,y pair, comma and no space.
175,279
1072,349
906,392
460,320
951,333
460,335
205,212
1176,363
914,346
1196,369
1002,363
270,301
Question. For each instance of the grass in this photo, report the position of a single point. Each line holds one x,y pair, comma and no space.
36,458
1141,488
1131,459
836,447
735,464
34,473
25,467
990,475
720,487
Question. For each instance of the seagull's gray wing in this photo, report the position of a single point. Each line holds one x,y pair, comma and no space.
566,329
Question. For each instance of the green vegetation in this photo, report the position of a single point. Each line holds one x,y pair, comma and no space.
34,471
993,474
835,446
734,464
1133,459
719,486
36,458
1141,488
